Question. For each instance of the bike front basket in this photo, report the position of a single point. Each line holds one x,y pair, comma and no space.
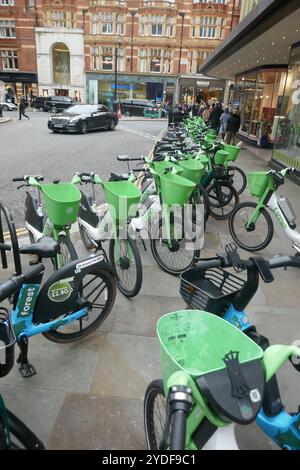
232,150
192,169
258,181
122,198
175,190
62,203
221,157
7,343
195,341
210,289
161,166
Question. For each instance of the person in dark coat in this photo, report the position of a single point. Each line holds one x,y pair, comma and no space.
22,108
214,118
232,127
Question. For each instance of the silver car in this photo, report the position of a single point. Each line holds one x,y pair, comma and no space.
8,106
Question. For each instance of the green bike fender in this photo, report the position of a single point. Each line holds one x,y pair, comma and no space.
275,356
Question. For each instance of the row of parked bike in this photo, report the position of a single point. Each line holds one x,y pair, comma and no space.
217,369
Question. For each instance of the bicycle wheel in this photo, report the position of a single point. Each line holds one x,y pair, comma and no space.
67,252
99,289
21,436
256,237
175,255
126,260
239,179
223,197
200,196
155,415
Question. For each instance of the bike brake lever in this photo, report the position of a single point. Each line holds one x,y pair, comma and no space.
22,185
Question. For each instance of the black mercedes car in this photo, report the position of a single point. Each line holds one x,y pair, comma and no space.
83,118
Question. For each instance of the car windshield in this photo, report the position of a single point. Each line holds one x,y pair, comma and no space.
80,109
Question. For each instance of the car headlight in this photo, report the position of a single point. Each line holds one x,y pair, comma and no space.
74,119
49,119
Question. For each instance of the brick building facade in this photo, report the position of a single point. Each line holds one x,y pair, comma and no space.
17,49
158,46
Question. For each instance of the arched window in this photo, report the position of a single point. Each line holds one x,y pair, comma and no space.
61,64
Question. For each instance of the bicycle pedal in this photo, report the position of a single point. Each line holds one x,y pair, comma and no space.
27,370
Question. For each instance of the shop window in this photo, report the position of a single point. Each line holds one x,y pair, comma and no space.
107,58
61,64
107,23
9,60
7,29
156,25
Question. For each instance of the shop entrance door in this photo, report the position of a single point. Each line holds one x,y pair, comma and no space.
60,92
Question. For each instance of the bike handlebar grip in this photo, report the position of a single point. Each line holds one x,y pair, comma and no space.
18,178
283,261
178,430
84,174
33,272
209,263
9,287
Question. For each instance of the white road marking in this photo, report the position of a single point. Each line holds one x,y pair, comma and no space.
140,133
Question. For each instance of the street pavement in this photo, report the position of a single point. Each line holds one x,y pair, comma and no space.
89,395
28,147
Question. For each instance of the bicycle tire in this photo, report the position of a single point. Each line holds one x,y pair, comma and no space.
202,197
263,213
65,241
243,186
155,241
137,283
154,389
215,202
22,434
109,282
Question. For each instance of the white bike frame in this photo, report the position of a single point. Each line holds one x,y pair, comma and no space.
292,234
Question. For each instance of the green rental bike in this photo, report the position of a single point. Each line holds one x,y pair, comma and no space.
213,375
251,225
62,201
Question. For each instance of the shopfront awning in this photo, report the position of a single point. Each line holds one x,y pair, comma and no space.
262,38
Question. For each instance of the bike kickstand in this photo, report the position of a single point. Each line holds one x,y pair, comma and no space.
26,369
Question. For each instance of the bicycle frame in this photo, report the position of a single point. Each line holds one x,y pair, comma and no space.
292,234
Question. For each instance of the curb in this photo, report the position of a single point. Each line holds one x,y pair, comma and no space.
5,120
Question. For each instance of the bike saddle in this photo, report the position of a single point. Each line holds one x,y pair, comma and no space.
46,247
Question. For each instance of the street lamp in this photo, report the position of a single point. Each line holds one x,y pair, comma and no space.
133,13
116,67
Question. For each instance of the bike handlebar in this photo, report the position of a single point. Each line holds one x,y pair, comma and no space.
13,284
26,178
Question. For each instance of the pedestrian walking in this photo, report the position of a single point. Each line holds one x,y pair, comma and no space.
232,127
22,108
214,118
223,121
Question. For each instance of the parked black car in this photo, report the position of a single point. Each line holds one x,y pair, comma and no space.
56,104
39,102
83,118
136,107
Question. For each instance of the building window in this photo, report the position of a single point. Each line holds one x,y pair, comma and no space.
60,19
120,59
120,24
107,58
144,25
219,1
155,60
9,60
196,58
107,23
7,2
170,21
7,29
167,65
143,60
208,27
156,25
95,58
61,64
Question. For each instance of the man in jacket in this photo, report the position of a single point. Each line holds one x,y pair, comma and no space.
22,107
232,127
214,118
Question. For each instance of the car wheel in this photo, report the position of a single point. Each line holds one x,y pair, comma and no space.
112,125
83,128
5,108
54,131
41,108
54,109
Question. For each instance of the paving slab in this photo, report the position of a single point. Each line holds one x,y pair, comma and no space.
113,423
